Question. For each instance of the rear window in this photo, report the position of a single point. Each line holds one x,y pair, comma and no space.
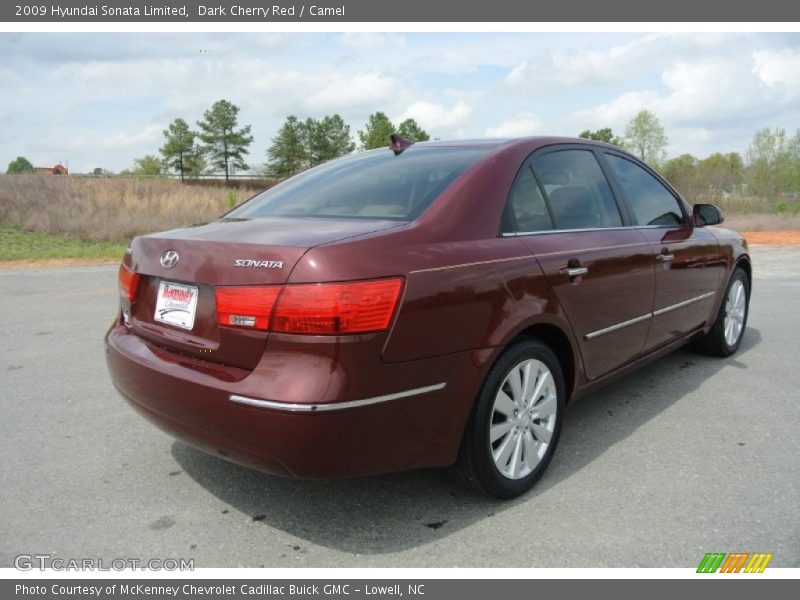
369,185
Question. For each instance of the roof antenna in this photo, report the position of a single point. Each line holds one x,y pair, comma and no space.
398,143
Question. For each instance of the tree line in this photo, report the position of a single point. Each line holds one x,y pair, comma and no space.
771,166
302,144
219,144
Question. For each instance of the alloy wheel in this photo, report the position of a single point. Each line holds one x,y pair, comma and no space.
735,311
523,419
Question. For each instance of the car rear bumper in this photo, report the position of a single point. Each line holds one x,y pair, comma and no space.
304,414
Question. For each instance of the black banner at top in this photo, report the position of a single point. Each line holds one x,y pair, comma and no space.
332,11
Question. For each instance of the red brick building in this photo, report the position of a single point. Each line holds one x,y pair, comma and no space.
58,169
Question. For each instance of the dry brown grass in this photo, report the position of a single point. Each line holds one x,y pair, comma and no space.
762,222
736,204
117,209
108,209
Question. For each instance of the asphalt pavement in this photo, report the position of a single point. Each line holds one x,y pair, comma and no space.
689,455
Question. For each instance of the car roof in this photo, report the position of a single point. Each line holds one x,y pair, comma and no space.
531,142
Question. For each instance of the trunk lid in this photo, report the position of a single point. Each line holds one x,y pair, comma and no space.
267,250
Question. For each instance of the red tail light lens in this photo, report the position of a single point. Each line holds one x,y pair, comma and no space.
248,307
333,308
128,283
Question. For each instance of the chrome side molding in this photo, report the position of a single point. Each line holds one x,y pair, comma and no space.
332,406
661,311
599,332
655,313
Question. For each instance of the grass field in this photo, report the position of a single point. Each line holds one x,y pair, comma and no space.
45,217
113,210
16,245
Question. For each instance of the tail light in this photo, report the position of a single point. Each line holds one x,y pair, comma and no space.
128,283
317,309
246,306
330,308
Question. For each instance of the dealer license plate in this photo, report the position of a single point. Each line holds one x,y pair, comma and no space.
176,304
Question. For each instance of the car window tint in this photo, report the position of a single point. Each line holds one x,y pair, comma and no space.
577,191
651,202
527,205
368,185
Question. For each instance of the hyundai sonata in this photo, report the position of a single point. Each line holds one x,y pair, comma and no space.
422,305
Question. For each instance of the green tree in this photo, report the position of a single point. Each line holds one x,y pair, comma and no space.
602,135
327,139
794,154
179,149
287,154
300,144
20,165
224,144
645,136
720,172
681,172
195,164
148,166
773,162
376,132
410,130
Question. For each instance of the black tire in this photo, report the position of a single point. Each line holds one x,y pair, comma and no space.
476,467
714,342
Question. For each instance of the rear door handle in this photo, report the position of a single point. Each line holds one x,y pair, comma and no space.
572,272
665,257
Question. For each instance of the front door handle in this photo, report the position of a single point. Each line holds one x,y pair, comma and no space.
663,258
572,272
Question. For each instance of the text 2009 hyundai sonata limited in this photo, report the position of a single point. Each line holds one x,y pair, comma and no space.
421,306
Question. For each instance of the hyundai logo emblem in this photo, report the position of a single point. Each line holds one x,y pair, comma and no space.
169,259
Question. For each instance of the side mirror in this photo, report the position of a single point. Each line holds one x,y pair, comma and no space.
706,214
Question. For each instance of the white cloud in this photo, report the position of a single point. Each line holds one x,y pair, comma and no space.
437,117
555,69
341,91
521,125
705,101
148,136
616,112
775,67
102,99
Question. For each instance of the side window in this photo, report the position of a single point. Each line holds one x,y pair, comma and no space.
651,202
577,191
528,212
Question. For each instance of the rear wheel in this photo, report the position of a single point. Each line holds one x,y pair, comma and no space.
726,334
515,423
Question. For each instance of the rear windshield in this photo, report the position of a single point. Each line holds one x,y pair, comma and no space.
368,185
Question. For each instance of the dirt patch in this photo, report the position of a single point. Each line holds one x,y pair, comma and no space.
57,262
772,237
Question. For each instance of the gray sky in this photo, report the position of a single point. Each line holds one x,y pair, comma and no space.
104,99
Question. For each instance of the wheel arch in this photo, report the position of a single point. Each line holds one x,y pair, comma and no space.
744,263
558,340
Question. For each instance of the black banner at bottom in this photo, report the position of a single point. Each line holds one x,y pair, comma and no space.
732,586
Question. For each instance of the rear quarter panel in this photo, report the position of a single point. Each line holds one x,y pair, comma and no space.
466,288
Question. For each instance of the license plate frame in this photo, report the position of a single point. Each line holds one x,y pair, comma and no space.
176,304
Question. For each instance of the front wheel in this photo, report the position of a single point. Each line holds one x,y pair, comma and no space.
726,334
515,423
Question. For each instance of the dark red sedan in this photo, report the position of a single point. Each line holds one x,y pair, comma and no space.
421,306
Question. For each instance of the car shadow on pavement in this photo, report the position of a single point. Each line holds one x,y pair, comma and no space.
391,513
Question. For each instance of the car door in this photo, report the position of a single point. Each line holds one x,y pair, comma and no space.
563,208
688,260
